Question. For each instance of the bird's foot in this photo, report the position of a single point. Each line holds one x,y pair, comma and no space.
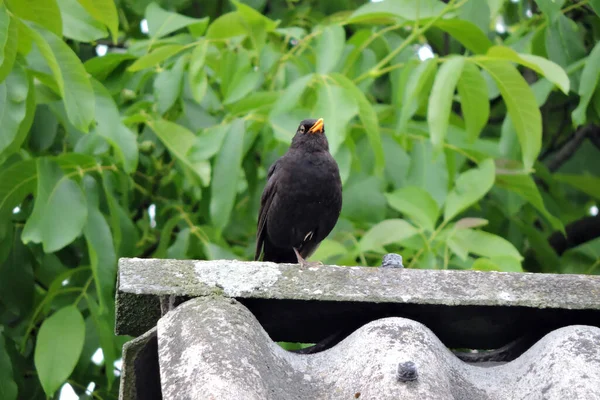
306,264
310,264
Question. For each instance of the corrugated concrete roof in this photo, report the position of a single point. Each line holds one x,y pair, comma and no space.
219,345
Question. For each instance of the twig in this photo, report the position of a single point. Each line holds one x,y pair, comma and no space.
570,147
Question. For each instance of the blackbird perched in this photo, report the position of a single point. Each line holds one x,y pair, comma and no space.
302,199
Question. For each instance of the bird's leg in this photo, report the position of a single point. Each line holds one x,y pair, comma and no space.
303,263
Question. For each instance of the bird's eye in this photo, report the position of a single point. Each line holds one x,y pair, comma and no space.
302,128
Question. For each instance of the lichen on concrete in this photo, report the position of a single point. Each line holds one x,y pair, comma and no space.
236,280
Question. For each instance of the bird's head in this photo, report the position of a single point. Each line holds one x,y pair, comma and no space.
310,135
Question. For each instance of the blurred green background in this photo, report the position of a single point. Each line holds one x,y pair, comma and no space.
466,133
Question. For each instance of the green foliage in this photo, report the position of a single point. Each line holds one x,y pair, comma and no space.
160,148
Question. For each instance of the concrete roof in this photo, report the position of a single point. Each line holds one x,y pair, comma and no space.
464,308
397,324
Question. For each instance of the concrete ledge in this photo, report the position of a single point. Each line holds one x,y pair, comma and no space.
471,309
214,348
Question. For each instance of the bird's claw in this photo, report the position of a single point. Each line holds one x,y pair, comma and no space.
306,264
309,264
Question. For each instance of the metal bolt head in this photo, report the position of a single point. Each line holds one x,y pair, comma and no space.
407,371
392,260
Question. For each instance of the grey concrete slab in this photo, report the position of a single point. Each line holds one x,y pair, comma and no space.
140,377
472,309
214,348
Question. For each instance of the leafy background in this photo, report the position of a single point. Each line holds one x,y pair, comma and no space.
464,131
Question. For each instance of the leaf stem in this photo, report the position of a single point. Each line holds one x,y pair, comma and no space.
414,34
371,39
49,297
429,241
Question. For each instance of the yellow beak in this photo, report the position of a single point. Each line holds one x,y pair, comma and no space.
317,127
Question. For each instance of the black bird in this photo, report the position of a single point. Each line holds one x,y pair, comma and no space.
302,199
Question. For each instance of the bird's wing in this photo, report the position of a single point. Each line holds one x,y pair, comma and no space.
265,203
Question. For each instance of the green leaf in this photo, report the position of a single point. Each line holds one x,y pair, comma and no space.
563,43
208,142
369,119
329,249
103,259
585,183
366,209
253,17
167,85
329,48
104,321
502,264
13,106
44,12
179,141
165,237
109,126
467,33
470,187
70,76
226,26
254,23
551,8
8,387
17,283
595,4
104,11
384,233
227,169
16,181
475,106
440,99
588,84
255,101
525,187
196,76
416,204
8,49
478,12
415,91
470,222
24,127
78,24
180,246
484,244
553,72
58,346
291,95
155,56
244,82
161,22
521,105
4,33
403,9
336,107
427,172
101,67
44,129
59,212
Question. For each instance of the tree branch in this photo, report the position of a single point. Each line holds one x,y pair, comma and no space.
578,232
569,148
594,137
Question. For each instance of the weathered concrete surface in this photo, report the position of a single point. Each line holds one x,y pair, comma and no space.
140,378
214,348
471,309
